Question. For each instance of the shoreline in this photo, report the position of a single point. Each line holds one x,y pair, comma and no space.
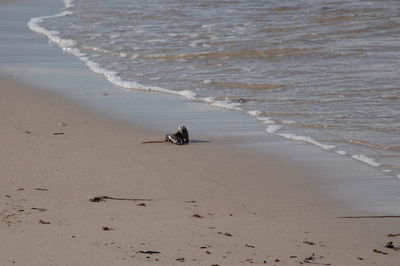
255,206
30,59
272,127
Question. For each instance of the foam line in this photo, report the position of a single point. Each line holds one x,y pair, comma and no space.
273,129
365,159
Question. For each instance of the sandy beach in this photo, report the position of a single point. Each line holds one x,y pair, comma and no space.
203,204
79,188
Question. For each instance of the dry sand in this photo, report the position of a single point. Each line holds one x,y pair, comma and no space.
211,204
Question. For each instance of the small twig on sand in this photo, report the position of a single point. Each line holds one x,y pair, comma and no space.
379,251
154,141
41,189
310,260
148,252
103,198
371,216
317,263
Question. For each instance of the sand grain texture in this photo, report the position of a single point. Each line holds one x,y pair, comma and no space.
211,204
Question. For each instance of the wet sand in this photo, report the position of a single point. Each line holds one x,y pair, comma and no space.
206,203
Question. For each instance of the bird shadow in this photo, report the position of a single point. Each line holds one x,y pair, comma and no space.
198,141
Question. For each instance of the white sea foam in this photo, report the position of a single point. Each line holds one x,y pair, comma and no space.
207,26
154,40
365,159
387,171
254,112
272,129
227,105
34,25
208,99
266,120
188,94
69,3
307,140
115,35
288,122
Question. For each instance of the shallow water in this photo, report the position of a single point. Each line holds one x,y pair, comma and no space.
321,72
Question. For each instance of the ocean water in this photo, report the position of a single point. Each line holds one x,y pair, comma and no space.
325,73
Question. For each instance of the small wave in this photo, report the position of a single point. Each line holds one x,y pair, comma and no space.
300,125
273,129
365,159
295,101
226,105
259,116
109,52
248,86
369,145
307,140
208,99
284,114
68,47
254,112
241,54
266,120
34,25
